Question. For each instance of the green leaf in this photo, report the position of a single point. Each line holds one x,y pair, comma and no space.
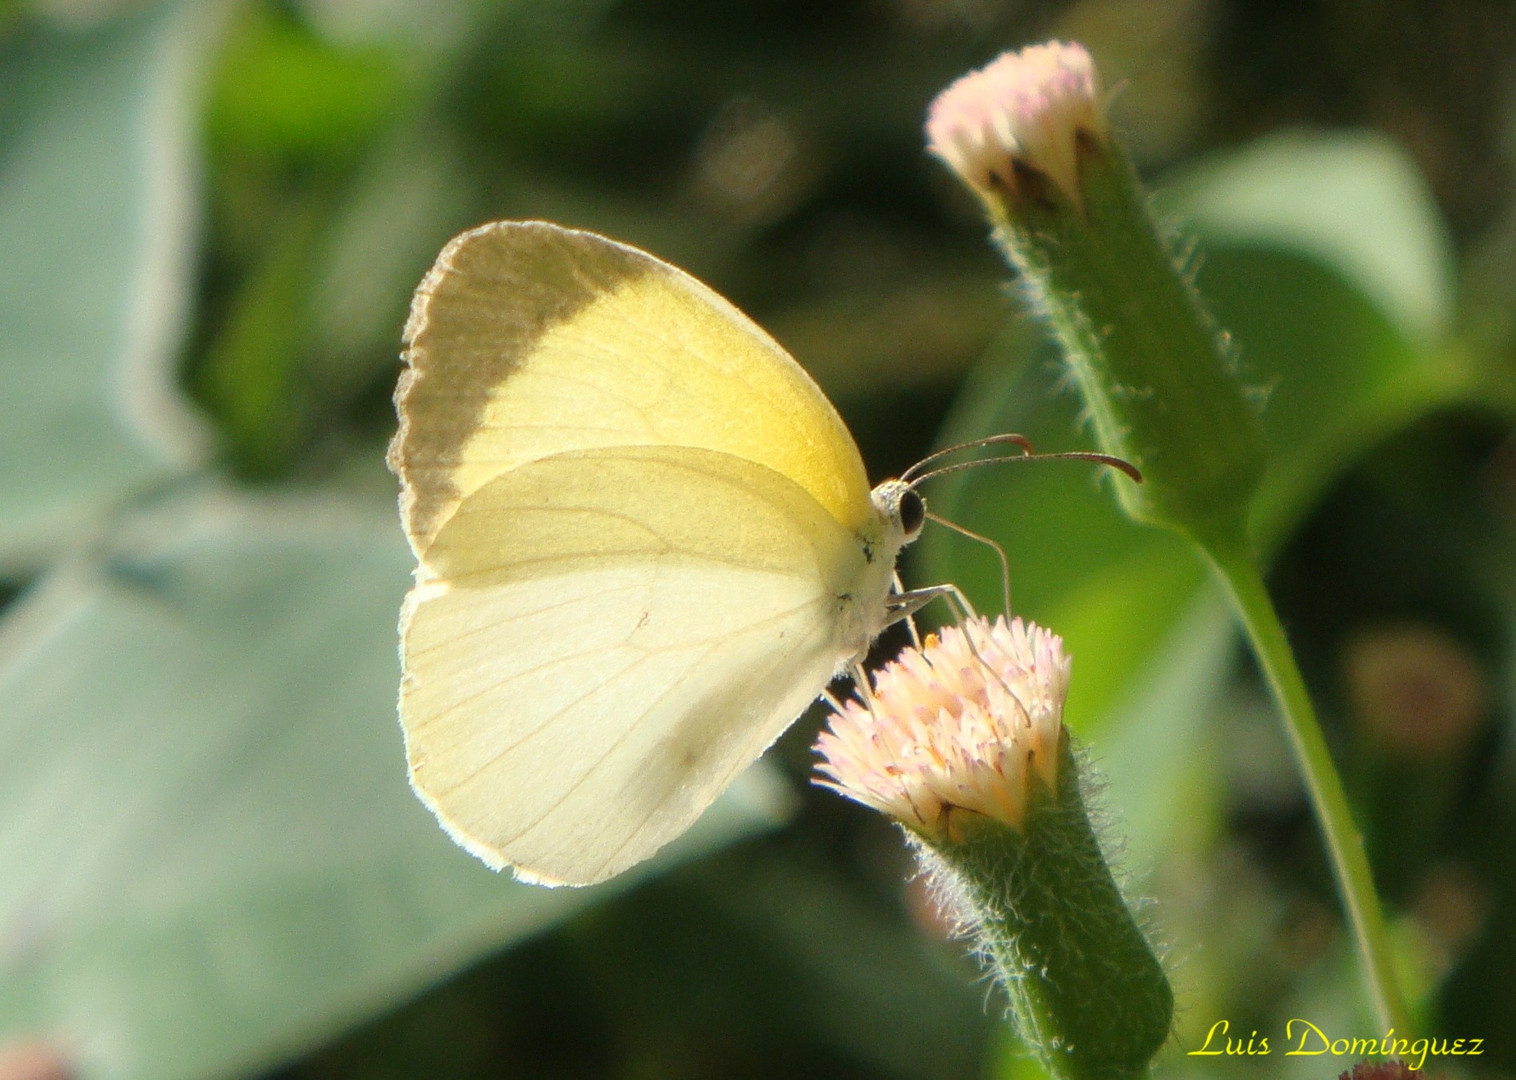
96,222
1353,201
282,89
209,857
1336,375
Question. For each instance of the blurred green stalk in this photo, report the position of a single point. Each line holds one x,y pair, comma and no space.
1238,570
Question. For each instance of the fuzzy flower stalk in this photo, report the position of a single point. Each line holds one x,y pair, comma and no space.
962,743
1028,135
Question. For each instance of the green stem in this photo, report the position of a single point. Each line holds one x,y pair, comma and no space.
1344,843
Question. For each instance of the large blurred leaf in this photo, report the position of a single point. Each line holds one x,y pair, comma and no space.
208,853
1354,201
96,223
1338,374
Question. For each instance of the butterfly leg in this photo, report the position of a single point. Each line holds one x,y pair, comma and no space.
910,621
906,604
861,686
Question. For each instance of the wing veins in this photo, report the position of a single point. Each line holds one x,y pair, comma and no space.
654,809
630,728
566,559
490,627
492,687
648,654
601,760
548,723
617,515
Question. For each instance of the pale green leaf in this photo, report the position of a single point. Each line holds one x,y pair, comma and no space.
97,226
209,857
1353,201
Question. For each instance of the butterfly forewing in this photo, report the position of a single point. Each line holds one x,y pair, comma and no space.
527,339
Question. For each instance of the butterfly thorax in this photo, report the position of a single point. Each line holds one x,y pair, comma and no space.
896,521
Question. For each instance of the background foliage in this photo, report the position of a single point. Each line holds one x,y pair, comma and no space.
211,217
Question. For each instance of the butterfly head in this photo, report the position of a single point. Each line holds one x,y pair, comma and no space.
901,508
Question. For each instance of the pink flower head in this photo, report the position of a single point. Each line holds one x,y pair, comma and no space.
1025,108
954,729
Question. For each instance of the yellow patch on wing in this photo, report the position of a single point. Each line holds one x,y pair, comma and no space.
527,340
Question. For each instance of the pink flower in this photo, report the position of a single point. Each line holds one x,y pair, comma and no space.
951,732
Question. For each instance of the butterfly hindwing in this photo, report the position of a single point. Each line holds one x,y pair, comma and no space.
600,640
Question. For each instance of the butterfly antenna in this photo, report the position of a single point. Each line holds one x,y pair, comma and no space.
989,440
1005,564
1069,455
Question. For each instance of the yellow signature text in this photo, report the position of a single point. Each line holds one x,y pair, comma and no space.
1305,1039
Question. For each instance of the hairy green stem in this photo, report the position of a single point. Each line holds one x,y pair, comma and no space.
1155,376
1087,992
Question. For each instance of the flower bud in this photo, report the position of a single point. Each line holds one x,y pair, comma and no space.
1028,134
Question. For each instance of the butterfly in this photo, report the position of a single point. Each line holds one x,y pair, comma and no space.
645,543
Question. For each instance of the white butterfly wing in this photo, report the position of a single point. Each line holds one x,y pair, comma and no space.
646,621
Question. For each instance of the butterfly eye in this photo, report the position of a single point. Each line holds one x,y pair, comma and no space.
912,512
